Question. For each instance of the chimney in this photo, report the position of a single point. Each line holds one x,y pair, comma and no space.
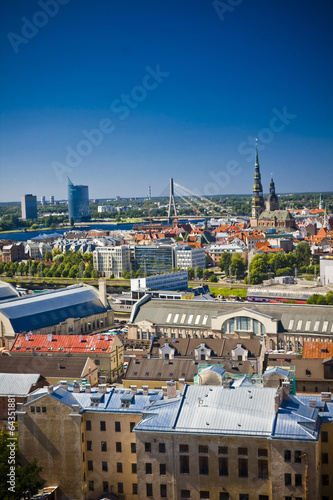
50,389
76,408
312,403
326,396
102,388
145,390
27,336
76,386
171,389
106,337
87,388
102,292
285,391
134,389
226,384
277,402
181,385
64,384
80,338
49,337
164,391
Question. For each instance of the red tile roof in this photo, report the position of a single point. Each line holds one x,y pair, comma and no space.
64,343
315,350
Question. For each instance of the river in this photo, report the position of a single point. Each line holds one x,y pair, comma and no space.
28,235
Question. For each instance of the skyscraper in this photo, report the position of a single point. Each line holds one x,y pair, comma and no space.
78,202
29,206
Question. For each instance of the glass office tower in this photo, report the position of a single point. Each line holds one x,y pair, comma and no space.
78,203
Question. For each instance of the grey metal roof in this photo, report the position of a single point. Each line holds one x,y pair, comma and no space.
48,366
7,291
50,308
17,384
291,317
160,369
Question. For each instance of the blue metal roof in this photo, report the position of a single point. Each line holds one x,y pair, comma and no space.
50,308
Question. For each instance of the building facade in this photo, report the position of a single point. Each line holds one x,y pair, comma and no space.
78,202
186,257
154,259
111,260
29,206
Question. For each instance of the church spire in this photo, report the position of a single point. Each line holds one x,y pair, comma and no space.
258,198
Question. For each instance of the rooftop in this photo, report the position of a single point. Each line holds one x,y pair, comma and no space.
101,343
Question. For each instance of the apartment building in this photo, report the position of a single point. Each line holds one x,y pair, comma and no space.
186,257
111,260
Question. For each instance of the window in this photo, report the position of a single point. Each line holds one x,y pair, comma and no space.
298,479
184,462
162,469
325,479
91,486
185,494
324,458
43,409
223,450
243,496
103,446
90,465
287,479
262,469
161,447
204,494
117,427
132,425
133,447
223,466
287,455
120,488
262,452
118,447
119,467
242,467
163,490
147,446
148,468
224,496
134,468
263,497
89,445
134,488
297,456
83,457
203,449
32,409
203,466
102,425
88,425
149,489
105,486
242,451
324,436
104,466
183,448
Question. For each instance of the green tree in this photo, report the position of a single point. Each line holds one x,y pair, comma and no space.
213,278
198,272
329,298
27,477
48,255
303,254
206,274
190,272
237,266
225,262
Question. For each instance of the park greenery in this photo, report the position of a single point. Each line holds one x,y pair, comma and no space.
319,299
27,477
55,265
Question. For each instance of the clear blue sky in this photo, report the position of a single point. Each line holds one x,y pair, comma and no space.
179,88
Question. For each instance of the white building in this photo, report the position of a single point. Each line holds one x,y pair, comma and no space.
326,270
186,257
168,281
37,250
106,208
111,260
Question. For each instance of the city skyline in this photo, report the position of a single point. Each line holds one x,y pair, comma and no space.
123,96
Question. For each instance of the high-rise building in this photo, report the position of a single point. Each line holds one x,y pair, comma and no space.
51,200
78,202
29,206
42,200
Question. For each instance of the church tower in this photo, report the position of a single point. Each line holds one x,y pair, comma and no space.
258,204
272,202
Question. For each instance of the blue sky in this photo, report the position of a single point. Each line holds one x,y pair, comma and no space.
121,94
